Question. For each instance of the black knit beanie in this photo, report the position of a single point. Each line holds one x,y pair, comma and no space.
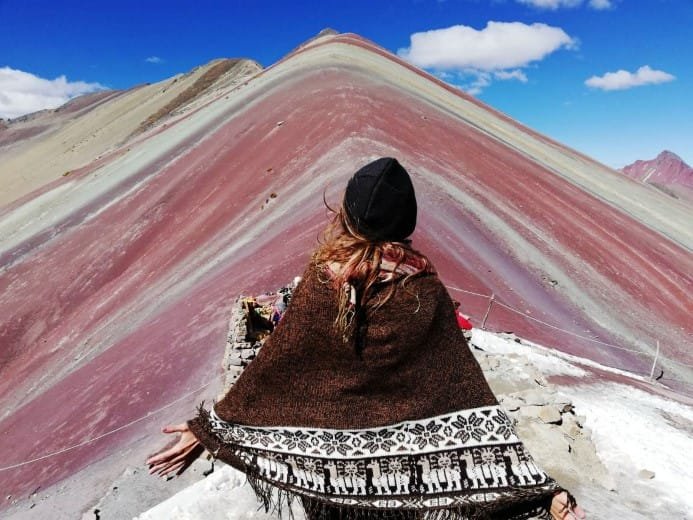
380,201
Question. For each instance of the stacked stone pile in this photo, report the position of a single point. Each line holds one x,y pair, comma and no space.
239,350
242,346
545,420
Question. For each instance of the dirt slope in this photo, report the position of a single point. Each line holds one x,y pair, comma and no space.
40,148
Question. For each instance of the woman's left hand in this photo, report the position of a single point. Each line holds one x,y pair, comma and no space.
565,508
180,456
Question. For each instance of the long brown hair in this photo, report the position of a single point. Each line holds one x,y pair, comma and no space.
354,261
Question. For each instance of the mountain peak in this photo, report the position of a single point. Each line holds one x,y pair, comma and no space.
667,171
667,155
327,31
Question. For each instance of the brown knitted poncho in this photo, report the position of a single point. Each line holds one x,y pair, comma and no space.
408,423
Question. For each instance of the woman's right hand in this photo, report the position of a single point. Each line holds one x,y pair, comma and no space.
177,458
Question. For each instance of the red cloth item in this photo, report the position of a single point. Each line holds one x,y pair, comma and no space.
463,321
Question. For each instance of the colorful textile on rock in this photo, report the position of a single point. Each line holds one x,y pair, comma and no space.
450,460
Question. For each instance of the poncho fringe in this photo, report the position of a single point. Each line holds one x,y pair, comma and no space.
277,498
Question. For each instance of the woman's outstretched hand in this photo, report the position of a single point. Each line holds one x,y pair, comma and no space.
563,507
177,458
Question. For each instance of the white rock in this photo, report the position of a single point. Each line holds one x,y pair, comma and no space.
646,474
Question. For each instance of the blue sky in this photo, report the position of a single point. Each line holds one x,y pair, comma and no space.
534,73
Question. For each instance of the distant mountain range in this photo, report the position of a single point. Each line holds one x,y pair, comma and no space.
667,171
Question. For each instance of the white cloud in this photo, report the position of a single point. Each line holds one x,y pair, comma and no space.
154,59
501,49
444,75
500,45
601,5
480,81
622,79
550,4
22,92
553,5
475,81
511,74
